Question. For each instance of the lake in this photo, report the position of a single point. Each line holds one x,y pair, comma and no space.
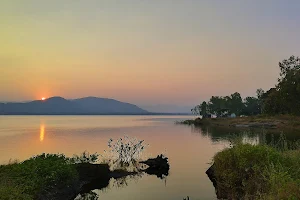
189,149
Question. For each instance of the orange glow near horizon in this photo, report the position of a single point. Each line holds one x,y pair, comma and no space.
43,98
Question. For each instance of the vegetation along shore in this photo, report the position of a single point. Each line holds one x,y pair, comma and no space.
261,170
279,107
55,176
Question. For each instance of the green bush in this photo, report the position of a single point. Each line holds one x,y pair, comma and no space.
35,176
258,172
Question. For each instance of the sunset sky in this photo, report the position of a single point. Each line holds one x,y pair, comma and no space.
145,52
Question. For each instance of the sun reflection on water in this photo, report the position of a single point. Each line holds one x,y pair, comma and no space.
42,132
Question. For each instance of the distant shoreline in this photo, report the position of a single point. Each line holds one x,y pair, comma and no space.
279,122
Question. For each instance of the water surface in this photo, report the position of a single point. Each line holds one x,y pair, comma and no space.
190,150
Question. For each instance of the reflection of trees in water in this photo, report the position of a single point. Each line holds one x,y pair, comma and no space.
113,183
254,136
94,192
124,181
217,133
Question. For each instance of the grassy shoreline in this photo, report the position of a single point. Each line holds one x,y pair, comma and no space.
248,171
37,177
280,122
55,176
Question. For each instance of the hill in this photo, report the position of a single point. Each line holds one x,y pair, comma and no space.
61,106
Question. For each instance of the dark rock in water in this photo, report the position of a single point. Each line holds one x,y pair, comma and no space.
211,175
89,171
221,194
158,166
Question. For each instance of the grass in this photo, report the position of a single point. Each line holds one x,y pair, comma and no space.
40,175
288,124
248,171
280,121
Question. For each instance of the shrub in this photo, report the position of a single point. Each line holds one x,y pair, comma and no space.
85,157
124,152
258,172
35,176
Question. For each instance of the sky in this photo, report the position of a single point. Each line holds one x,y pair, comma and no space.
147,52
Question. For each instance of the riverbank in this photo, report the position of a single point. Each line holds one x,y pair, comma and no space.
256,172
281,122
55,176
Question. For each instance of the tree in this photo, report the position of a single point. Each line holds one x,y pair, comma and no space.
252,106
259,93
289,85
284,99
292,63
196,110
272,102
201,109
217,105
236,103
204,109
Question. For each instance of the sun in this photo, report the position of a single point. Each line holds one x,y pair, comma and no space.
43,98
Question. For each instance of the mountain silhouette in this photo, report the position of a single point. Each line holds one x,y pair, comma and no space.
61,106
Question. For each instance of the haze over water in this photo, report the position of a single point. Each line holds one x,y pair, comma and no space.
189,150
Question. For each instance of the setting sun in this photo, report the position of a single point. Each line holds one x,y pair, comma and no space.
43,98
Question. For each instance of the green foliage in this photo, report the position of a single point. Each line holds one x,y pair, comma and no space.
284,99
219,106
196,110
252,106
85,157
204,109
39,175
224,106
258,172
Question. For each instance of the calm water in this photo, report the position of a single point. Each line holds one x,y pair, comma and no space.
189,150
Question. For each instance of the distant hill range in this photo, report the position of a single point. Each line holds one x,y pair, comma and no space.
61,106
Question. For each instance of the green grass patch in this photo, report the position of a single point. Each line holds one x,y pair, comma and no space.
248,171
39,175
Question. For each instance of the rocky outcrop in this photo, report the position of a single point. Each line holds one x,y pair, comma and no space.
158,166
220,192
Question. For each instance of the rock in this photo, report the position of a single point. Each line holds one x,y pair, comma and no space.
211,175
220,192
89,171
158,166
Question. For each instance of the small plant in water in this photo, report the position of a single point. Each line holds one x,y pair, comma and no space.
125,151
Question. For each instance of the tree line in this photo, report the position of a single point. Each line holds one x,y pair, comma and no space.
283,98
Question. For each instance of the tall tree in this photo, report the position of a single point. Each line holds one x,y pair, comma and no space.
204,109
196,110
236,103
201,109
252,106
289,85
217,105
